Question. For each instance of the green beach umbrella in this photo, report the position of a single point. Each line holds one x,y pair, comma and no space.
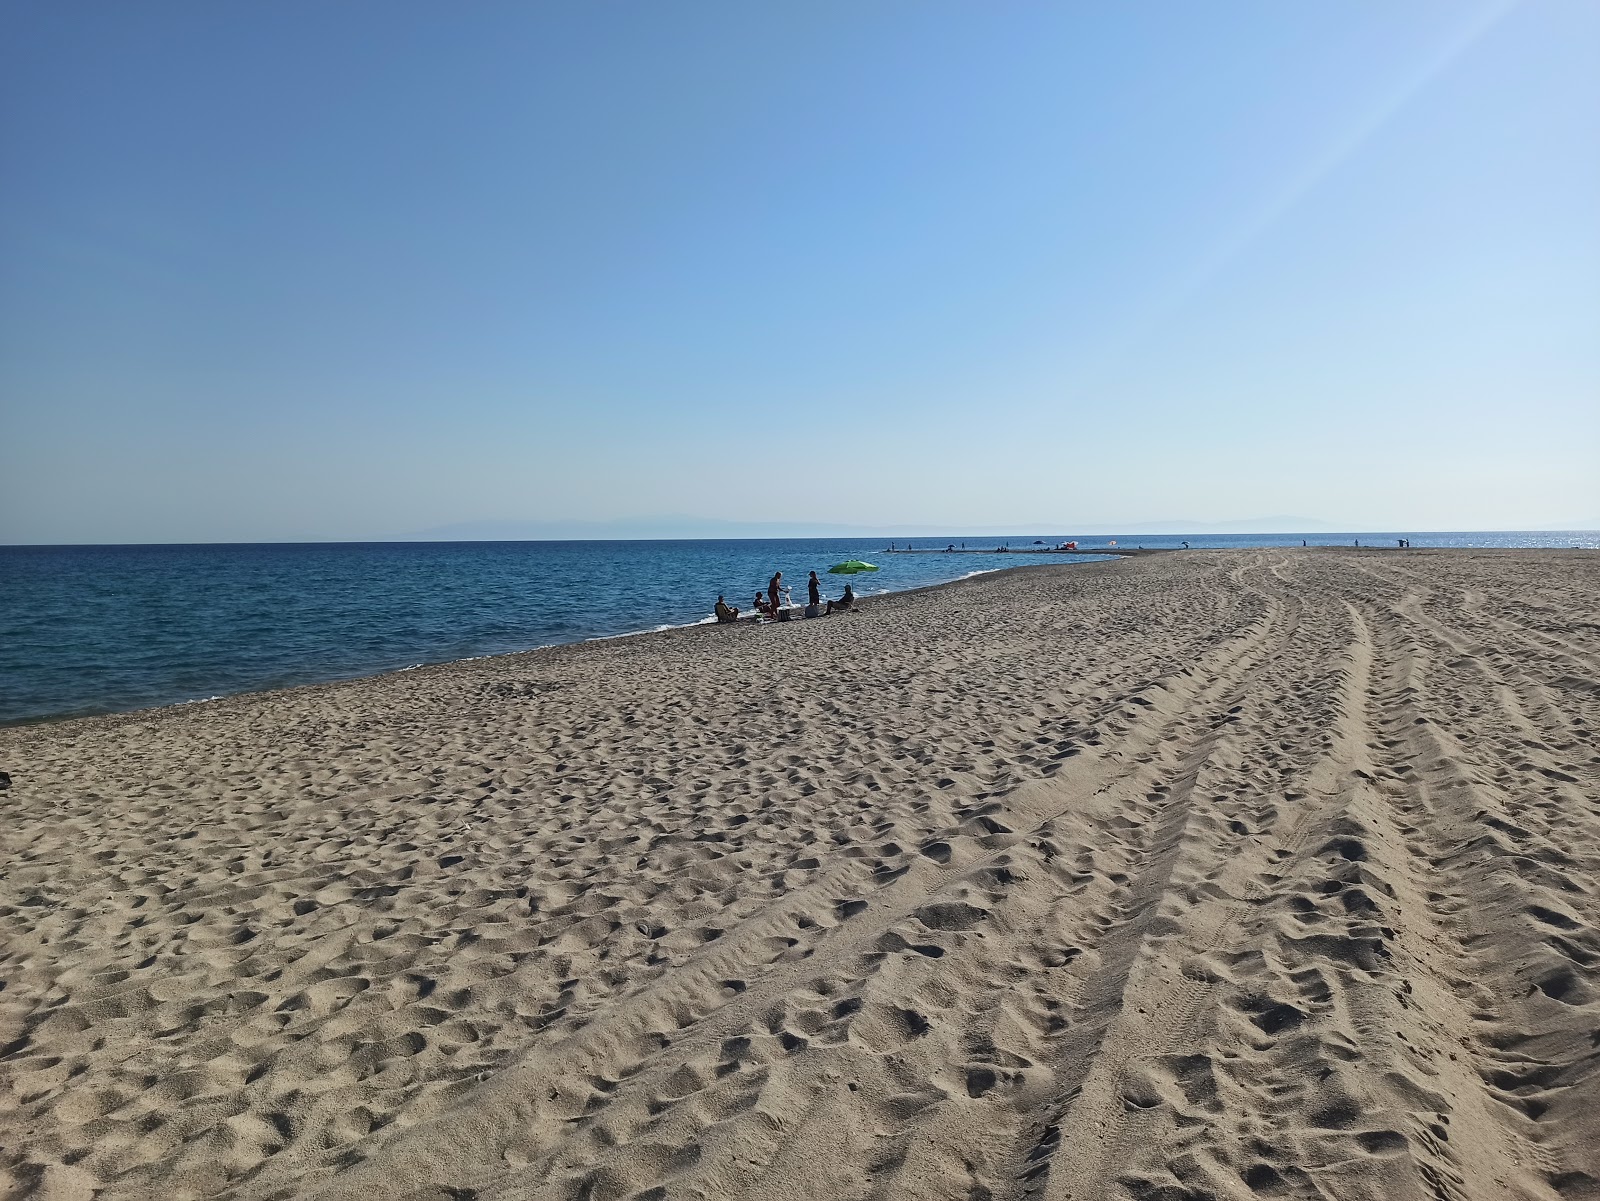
851,567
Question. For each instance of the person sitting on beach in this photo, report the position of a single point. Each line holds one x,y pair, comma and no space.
845,601
726,612
761,605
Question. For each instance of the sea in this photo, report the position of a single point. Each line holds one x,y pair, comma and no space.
99,629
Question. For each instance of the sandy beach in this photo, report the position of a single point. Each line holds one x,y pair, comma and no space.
1193,876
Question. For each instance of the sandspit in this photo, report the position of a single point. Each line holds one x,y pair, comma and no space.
1195,876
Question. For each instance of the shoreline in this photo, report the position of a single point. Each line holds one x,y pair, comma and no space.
1103,557
863,600
61,683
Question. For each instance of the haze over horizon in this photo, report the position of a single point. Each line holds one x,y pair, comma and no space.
316,273
684,526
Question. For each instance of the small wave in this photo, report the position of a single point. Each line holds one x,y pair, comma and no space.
683,625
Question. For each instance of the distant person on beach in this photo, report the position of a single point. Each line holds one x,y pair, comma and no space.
761,605
814,590
845,601
1185,546
725,612
773,585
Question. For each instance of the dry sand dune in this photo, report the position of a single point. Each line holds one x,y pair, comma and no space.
1211,875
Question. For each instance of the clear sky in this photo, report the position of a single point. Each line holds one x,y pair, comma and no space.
305,270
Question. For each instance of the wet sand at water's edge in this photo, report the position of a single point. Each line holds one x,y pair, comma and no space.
1210,875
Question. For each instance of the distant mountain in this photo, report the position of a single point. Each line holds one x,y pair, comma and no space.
706,527
629,528
1250,525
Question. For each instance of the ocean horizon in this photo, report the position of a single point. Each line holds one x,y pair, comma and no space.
87,630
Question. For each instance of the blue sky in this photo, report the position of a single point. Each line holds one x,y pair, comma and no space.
306,271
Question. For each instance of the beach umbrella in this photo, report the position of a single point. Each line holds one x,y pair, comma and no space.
851,567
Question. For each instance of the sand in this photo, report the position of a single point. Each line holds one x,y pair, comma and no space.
1205,875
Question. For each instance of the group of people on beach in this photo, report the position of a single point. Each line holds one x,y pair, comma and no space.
776,606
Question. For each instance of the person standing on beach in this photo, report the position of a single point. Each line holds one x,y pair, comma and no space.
814,590
773,585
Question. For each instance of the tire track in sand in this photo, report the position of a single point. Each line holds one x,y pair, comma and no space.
512,1129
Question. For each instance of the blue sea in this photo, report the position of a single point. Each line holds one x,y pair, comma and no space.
95,629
